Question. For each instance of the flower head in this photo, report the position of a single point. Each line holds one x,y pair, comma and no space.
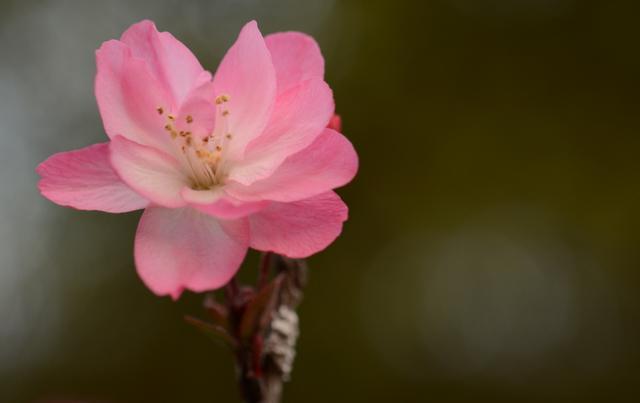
220,163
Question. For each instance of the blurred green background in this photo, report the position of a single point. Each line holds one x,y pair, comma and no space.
492,249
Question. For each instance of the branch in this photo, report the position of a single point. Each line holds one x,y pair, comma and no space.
262,324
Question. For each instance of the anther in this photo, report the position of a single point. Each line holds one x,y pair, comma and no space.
221,99
189,118
171,117
225,112
218,148
168,127
228,136
160,110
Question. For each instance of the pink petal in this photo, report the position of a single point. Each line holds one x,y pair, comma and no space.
328,163
226,210
299,116
296,57
298,229
84,179
335,123
177,249
170,61
197,114
152,173
216,203
129,96
196,197
247,76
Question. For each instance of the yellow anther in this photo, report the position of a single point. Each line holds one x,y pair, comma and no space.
202,154
189,118
171,117
221,99
168,127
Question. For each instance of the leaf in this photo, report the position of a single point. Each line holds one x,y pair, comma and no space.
259,305
214,331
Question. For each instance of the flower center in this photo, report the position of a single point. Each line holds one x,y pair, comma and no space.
202,156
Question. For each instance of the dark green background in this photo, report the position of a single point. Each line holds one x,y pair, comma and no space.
492,248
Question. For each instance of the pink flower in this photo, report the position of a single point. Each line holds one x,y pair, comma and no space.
243,159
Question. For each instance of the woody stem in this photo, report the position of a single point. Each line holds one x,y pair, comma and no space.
265,362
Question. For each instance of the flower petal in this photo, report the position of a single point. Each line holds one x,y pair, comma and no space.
128,96
84,179
299,116
177,249
226,210
247,76
170,61
197,114
298,229
328,163
196,197
152,173
216,203
296,58
335,123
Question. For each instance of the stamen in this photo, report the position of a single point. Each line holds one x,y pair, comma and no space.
171,130
202,154
195,175
209,171
222,98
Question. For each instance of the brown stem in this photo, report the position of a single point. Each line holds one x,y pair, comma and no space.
232,289
260,325
264,363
